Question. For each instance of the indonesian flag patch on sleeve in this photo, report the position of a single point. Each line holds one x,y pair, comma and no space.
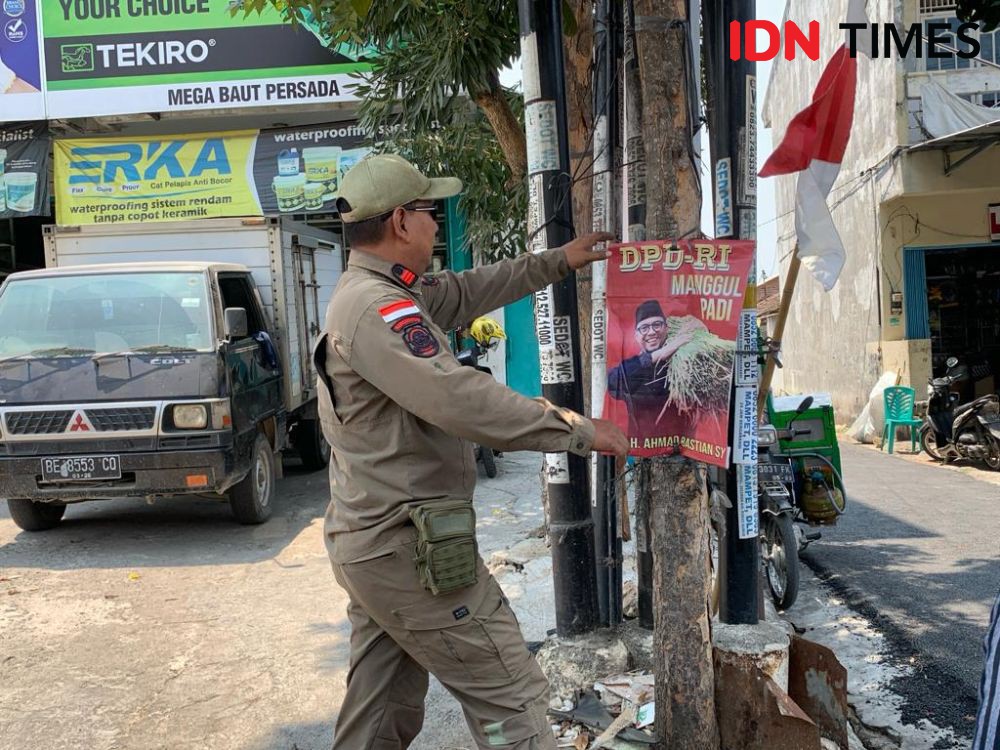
405,318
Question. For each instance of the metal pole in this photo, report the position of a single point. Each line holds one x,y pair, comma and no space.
550,223
733,142
607,540
635,160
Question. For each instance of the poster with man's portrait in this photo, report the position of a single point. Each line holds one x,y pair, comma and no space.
673,313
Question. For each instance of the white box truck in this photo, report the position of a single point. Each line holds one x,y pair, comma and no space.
159,360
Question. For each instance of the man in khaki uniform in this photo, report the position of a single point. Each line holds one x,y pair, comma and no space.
401,415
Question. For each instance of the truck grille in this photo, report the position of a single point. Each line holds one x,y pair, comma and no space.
38,422
122,419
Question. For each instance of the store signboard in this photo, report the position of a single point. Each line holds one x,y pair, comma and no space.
206,175
994,219
131,57
21,95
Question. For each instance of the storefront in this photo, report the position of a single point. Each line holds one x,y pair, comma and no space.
954,294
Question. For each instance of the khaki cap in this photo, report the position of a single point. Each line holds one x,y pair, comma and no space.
378,184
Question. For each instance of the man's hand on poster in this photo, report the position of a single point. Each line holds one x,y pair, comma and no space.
608,438
580,252
679,339
11,84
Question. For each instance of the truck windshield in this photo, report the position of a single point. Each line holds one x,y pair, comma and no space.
96,313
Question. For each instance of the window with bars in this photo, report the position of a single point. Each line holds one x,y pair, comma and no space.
936,6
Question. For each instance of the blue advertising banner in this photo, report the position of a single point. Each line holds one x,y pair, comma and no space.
21,95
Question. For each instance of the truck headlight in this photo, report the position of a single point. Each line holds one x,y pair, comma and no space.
766,436
190,417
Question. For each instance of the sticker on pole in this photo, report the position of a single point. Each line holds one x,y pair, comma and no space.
555,350
542,136
747,508
556,468
745,426
746,349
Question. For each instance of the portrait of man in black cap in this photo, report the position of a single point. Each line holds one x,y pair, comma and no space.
641,381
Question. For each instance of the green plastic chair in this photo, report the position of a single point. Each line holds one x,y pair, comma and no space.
899,413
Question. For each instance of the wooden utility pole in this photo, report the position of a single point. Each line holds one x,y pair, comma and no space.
678,502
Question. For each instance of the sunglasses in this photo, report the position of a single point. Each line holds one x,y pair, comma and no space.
430,208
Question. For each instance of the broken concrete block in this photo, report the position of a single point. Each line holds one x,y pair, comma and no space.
764,645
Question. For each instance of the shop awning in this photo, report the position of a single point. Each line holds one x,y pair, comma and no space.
973,141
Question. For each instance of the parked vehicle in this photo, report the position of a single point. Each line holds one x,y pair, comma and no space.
951,431
485,333
798,489
147,362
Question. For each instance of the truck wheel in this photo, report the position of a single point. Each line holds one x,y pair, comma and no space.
311,444
32,516
253,498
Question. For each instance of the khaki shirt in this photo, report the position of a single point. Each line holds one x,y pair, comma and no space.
404,413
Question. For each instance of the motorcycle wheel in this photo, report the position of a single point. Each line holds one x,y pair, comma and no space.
489,463
928,441
780,557
992,461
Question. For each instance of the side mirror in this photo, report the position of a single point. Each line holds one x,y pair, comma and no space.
237,326
951,362
804,406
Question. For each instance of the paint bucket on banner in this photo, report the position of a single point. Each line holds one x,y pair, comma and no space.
290,191
3,188
323,166
20,189
350,157
288,162
314,195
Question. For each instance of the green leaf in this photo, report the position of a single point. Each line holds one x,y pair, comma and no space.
361,7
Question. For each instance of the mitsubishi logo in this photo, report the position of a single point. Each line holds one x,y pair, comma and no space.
80,423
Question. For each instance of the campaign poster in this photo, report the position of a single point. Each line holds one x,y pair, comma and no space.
21,96
24,170
673,318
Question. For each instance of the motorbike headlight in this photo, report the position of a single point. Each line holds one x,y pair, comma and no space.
930,390
190,416
766,436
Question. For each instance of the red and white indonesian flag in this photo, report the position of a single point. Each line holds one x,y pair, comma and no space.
814,146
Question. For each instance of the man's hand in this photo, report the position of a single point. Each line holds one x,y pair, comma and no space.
670,348
580,252
608,438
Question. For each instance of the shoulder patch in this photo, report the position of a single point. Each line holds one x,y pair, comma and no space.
405,318
429,280
405,275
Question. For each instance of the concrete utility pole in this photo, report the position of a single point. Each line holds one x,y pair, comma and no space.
678,502
550,224
733,114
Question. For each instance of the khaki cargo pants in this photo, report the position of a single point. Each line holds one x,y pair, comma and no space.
469,639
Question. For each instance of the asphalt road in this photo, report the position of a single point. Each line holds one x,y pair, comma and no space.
155,627
917,554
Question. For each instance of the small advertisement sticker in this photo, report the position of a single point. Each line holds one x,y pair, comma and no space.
747,507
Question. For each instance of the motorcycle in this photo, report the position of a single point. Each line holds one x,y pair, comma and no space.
796,488
970,431
486,334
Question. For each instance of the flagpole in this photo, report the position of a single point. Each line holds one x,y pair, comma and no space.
779,330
